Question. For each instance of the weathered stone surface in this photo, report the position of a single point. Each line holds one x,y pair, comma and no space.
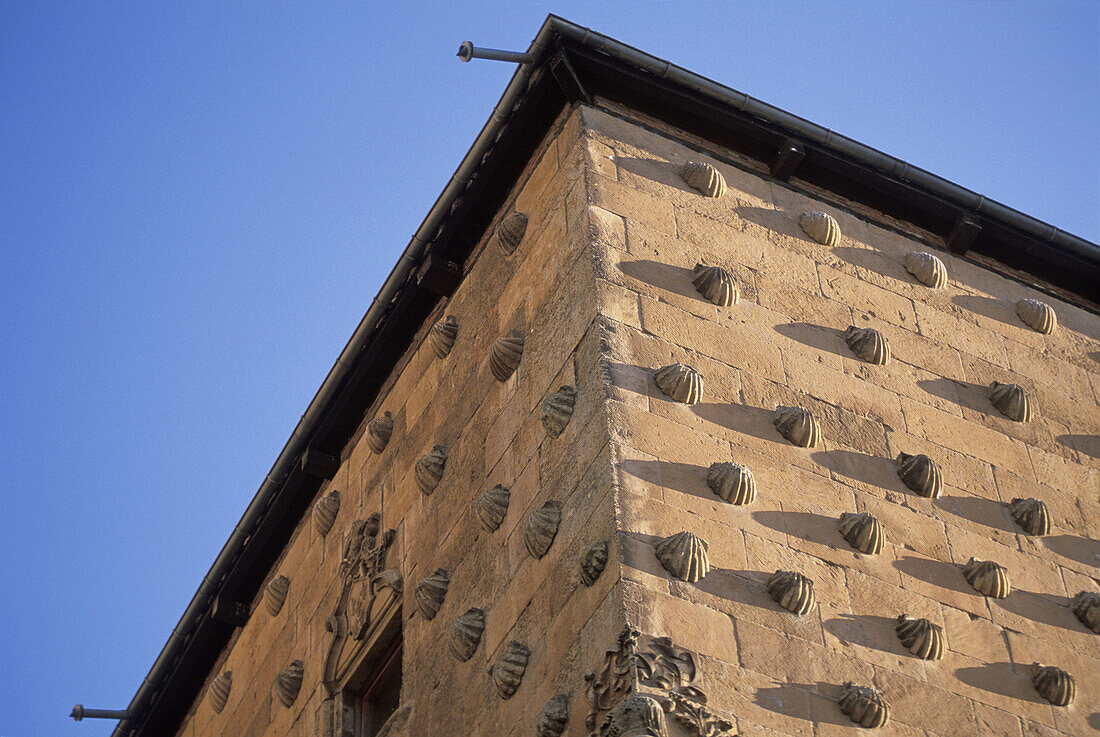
593,562
553,718
869,344
1053,684
507,672
865,705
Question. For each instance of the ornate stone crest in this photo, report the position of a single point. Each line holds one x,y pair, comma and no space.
667,672
370,591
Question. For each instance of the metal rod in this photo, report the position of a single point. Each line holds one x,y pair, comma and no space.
467,51
79,712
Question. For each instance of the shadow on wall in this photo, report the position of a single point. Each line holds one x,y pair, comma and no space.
660,172
862,467
874,261
686,478
979,511
676,279
994,309
1080,549
798,700
741,418
1087,444
1002,679
945,575
870,631
775,220
1047,609
816,336
815,528
962,393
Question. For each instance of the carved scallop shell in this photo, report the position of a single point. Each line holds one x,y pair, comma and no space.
864,705
379,432
927,269
921,474
466,634
325,511
716,284
289,681
684,555
553,718
863,532
491,507
704,177
680,382
510,232
557,409
593,562
430,593
792,591
505,355
1037,315
1086,605
275,594
429,469
442,336
732,482
869,344
1053,684
507,673
798,425
1031,515
988,578
219,690
920,637
541,528
822,227
639,716
1012,400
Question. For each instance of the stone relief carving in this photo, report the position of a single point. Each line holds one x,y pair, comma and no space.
684,555
275,594
289,681
863,532
553,718
1038,316
680,383
792,591
510,232
988,578
1031,515
864,705
921,474
1012,400
507,672
716,284
325,511
920,637
466,633
926,268
822,227
219,690
430,593
617,706
1086,605
798,425
732,482
704,178
429,469
593,562
541,528
379,431
442,336
557,409
505,355
492,506
868,344
368,591
1053,684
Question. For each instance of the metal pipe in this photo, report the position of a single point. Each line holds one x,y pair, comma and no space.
79,712
467,51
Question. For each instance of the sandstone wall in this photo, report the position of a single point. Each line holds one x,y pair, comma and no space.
770,671
493,435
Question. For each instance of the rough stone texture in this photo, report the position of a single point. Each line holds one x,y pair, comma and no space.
602,286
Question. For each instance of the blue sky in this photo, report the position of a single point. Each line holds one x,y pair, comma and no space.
198,202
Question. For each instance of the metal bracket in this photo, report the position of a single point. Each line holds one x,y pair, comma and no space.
320,464
568,80
229,611
439,275
962,235
787,159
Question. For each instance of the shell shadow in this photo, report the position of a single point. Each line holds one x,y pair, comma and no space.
1087,444
866,630
819,337
816,528
862,467
1080,549
794,700
936,572
774,220
979,511
742,418
999,678
1045,609
994,309
686,478
655,171
676,279
962,393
